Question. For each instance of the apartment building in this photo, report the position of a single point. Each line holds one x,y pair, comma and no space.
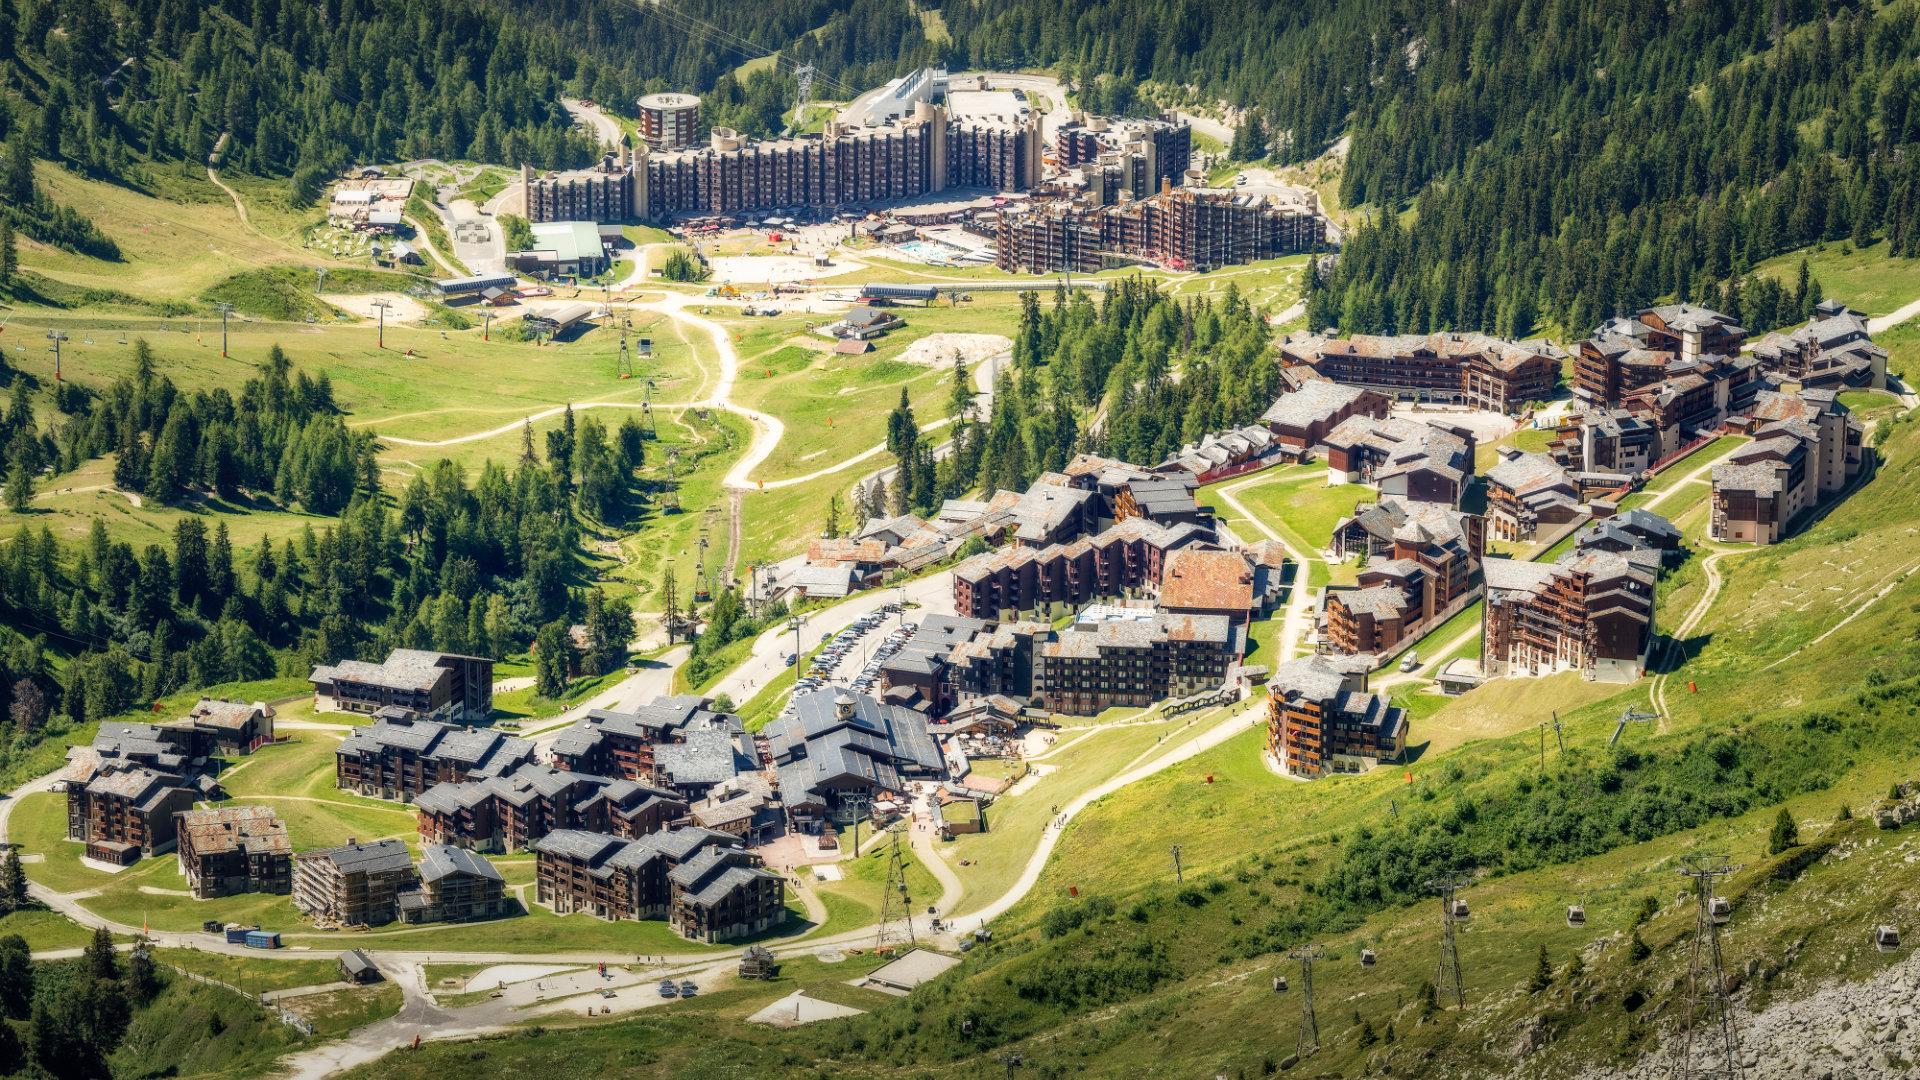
1183,228
126,812
1131,657
508,813
702,882
227,850
1832,350
455,886
1301,419
1606,446
1630,353
423,685
1125,559
1429,563
917,674
220,726
1449,368
354,884
1207,581
1590,612
1423,461
1806,448
625,744
1321,719
1146,154
400,758
1527,490
669,121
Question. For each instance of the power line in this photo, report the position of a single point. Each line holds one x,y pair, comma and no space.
687,23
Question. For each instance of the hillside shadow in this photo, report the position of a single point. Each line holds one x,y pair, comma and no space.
1670,655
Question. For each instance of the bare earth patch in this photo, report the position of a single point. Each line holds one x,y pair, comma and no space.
938,350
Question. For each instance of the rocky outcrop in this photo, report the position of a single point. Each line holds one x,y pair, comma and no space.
1848,1031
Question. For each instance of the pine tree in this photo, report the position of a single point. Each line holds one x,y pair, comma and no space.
101,962
1542,973
1637,949
832,531
143,976
19,487
9,255
13,881
1786,833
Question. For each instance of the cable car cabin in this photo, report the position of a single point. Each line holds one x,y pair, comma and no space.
1367,959
1460,913
1280,981
1721,909
1886,938
1576,915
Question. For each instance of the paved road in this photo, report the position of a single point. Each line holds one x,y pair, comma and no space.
594,120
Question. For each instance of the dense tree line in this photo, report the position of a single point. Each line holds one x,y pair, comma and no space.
1089,376
467,564
1565,161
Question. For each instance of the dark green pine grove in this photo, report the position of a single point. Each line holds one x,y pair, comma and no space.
1563,161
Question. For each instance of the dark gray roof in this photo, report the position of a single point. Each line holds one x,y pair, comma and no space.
379,857
872,741
439,860
705,757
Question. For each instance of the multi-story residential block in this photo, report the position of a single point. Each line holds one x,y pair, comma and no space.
1183,228
1451,368
837,748
1131,657
1426,566
1832,350
237,727
455,886
673,742
669,121
1419,460
1301,419
508,813
1144,155
1527,490
1606,446
424,685
917,674
1806,448
399,758
123,811
1628,354
702,882
1127,558
353,885
226,850
1207,581
1321,719
1590,612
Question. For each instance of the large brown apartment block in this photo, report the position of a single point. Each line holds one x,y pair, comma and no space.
1131,659
400,758
1627,354
353,885
1590,612
508,813
228,850
1321,719
1832,350
127,812
1301,419
455,886
1125,559
423,685
1806,448
704,883
1422,559
1451,368
1527,490
1424,461
1184,228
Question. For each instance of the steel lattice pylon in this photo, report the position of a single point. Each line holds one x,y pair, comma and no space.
1309,1041
1447,978
1708,1050
896,905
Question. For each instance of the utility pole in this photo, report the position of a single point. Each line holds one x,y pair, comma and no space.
226,310
56,336
1448,977
381,307
1559,734
673,603
896,904
1309,1042
486,325
1709,1051
794,623
1177,876
670,499
646,411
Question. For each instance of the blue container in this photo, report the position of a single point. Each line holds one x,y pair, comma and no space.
262,939
237,934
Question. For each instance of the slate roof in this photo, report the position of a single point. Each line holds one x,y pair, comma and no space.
1209,580
403,669
440,860
252,829
1314,403
1310,677
704,757
873,742
379,857
480,750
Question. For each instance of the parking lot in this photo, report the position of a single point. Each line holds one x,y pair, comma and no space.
852,657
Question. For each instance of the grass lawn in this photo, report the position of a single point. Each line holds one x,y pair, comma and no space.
854,900
172,248
641,552
1866,279
71,502
1016,822
45,931
254,975
337,1012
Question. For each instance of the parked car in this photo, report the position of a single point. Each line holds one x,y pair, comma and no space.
668,989
792,659
687,989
